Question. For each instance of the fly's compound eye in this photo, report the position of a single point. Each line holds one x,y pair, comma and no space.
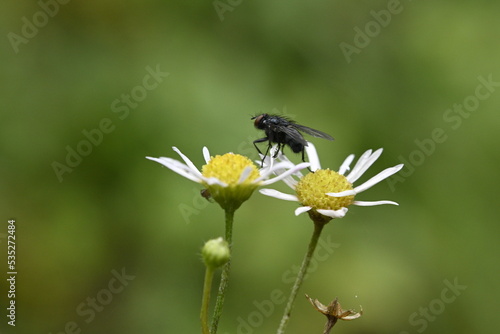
257,122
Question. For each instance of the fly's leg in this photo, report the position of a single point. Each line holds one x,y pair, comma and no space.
261,140
280,148
304,160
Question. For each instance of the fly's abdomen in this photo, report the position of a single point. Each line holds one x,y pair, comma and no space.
295,146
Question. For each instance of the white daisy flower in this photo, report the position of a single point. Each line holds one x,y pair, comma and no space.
326,194
230,178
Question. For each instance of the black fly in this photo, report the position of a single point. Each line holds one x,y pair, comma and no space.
284,131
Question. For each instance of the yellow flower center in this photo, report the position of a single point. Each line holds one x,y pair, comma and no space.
229,167
312,188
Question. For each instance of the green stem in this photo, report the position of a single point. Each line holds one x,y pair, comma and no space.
219,303
318,227
209,274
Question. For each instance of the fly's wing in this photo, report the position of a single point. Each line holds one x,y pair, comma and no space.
312,132
291,131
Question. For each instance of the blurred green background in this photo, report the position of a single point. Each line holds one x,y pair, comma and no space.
371,73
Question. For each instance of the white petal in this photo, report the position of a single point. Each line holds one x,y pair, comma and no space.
267,161
282,157
346,164
176,164
213,180
278,194
263,162
187,161
379,177
179,168
362,160
168,162
273,150
361,168
287,173
279,168
333,213
373,203
302,209
365,156
290,181
343,193
206,154
244,175
165,161
312,156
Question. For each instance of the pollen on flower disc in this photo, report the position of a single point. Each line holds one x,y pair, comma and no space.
312,188
229,167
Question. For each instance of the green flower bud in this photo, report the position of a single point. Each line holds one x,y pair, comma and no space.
215,253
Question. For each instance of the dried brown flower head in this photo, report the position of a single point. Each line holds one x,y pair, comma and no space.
333,312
